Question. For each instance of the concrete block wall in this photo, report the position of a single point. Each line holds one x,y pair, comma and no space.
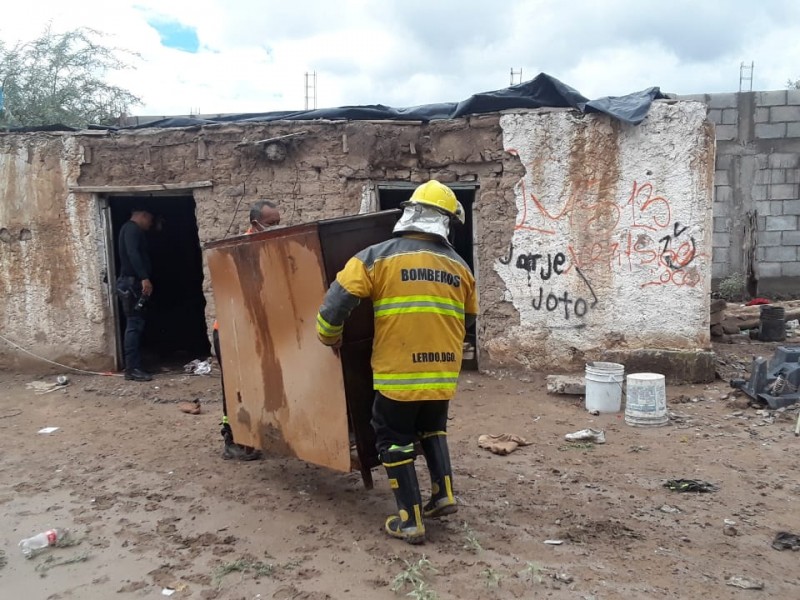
757,173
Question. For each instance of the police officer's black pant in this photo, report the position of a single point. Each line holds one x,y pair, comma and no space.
399,423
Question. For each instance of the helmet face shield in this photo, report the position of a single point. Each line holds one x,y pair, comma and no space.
421,218
460,215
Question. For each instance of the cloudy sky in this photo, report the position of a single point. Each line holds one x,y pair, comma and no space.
251,55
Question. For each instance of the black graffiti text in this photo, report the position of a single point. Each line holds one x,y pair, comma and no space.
550,263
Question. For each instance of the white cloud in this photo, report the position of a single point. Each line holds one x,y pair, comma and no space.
253,53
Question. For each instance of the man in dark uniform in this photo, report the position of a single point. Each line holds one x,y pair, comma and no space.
134,288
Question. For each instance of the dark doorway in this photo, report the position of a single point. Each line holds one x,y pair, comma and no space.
175,332
390,196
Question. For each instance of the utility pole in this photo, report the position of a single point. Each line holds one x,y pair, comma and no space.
516,76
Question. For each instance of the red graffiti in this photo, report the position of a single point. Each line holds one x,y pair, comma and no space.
605,244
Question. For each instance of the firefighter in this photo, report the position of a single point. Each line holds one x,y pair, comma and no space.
264,215
424,296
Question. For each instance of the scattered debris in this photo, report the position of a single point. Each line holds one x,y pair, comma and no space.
596,436
690,485
672,510
190,408
729,528
46,430
745,584
3,559
503,444
563,578
198,367
594,413
568,385
786,541
554,542
44,387
775,382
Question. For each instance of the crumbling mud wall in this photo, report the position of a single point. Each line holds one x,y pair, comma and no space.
52,296
611,245
588,234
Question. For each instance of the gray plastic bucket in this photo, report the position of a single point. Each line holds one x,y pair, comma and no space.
646,404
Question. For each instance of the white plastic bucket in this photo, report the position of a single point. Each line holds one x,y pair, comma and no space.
646,404
604,386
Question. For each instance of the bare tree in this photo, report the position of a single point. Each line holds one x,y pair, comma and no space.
59,78
793,84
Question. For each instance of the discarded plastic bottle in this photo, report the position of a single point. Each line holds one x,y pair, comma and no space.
42,540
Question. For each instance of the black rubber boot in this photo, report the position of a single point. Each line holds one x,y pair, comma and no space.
437,455
407,525
233,451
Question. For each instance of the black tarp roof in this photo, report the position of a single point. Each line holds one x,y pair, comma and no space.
541,92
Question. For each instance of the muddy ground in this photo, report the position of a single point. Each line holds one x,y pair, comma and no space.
144,489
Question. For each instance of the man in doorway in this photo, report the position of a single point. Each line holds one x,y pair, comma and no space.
424,297
264,215
135,288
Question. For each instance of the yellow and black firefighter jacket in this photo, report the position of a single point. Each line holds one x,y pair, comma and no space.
424,296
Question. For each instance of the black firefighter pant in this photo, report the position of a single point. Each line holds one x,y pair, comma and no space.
399,423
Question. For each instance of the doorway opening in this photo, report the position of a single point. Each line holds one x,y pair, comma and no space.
175,331
392,195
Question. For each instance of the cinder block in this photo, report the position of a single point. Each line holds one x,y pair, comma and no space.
762,161
793,130
770,238
774,98
721,254
762,115
721,178
759,192
789,238
792,175
780,253
730,116
782,223
791,207
761,223
721,209
721,240
769,131
766,208
768,269
694,98
724,161
783,160
727,132
722,225
779,114
790,269
793,97
783,191
769,176
723,101
719,270
723,193
715,114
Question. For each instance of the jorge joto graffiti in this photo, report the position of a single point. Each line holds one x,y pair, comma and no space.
609,229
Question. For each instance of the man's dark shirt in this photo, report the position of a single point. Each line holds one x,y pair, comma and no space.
133,256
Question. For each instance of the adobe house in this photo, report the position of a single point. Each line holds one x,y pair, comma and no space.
590,238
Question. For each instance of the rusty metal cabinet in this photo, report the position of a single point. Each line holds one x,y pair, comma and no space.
287,393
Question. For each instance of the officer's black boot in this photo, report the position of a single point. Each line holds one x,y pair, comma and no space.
437,455
407,524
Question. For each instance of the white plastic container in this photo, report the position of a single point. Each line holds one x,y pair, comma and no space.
646,404
604,386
